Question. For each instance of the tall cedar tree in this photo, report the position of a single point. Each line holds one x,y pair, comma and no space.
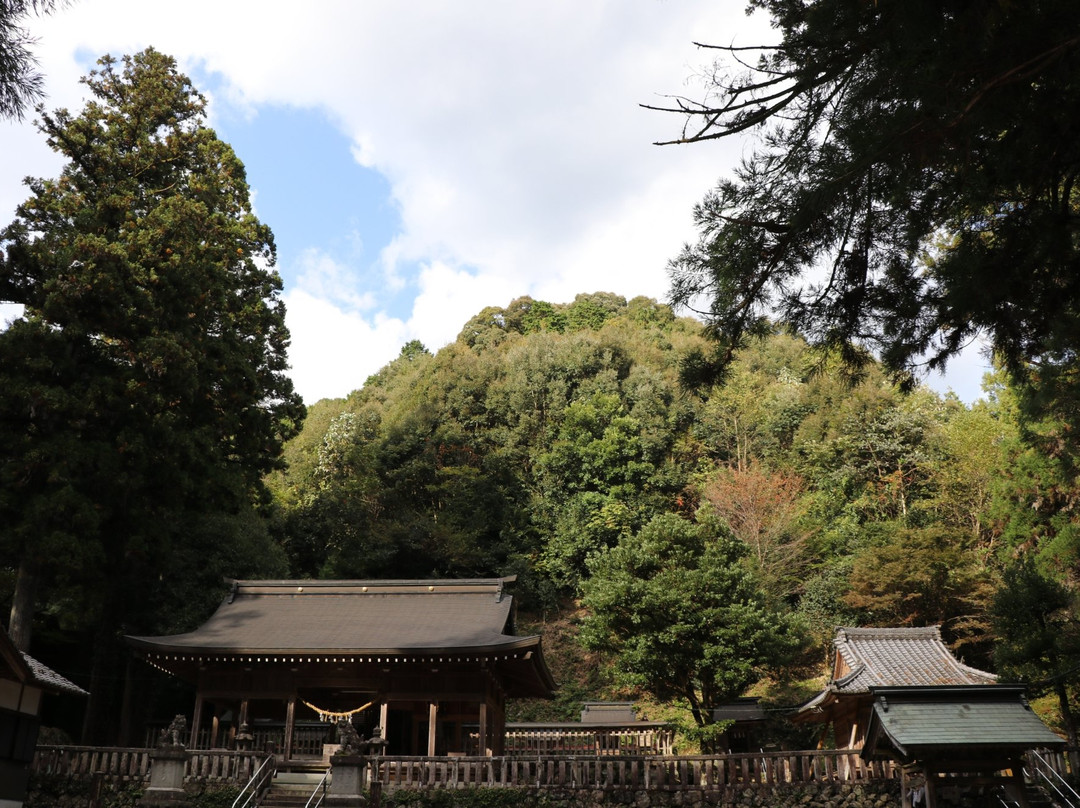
915,183
144,387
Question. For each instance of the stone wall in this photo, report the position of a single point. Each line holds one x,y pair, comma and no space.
880,794
51,791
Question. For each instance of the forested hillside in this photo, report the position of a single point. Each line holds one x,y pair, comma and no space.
689,509
557,442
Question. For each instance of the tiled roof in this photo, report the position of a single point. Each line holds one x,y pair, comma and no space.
912,722
609,712
743,710
352,617
899,656
48,679
22,667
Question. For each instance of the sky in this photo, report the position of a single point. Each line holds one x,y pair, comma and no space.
418,161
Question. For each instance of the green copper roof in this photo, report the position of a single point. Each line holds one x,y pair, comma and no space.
911,723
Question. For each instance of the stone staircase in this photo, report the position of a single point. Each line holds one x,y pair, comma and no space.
1038,797
290,790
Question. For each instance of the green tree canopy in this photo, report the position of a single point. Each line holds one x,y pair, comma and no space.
1038,633
921,577
914,183
684,619
144,388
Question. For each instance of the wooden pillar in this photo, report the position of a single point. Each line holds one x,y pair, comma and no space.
290,724
484,746
497,722
245,708
498,727
931,800
196,721
433,720
384,718
125,736
215,728
1018,790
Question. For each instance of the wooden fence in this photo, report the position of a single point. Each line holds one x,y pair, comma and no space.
122,765
588,741
694,772
618,772
684,773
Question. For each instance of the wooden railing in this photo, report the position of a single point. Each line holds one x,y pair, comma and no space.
587,741
680,773
628,772
121,765
551,771
308,737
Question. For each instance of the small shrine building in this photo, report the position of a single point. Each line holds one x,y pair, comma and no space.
429,664
605,728
864,658
956,745
23,683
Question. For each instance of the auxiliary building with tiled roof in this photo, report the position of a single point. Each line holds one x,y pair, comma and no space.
429,662
23,682
874,657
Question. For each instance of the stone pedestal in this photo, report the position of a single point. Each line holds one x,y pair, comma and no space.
348,781
167,767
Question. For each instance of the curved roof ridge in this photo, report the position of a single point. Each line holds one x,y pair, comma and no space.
47,678
851,677
321,582
971,670
892,631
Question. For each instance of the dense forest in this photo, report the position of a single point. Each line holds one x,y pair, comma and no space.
679,545
689,506
559,443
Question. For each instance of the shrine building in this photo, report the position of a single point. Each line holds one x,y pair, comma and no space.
881,657
428,664
23,683
962,745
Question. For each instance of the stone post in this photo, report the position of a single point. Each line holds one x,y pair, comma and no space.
348,781
168,763
348,769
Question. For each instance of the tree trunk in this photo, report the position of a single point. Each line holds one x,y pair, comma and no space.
695,707
1066,714
21,624
103,708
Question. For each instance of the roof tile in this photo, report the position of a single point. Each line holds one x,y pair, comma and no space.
900,656
351,616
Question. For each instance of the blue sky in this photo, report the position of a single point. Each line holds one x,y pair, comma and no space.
316,196
418,162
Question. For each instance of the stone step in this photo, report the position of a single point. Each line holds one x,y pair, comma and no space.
291,789
298,779
279,801
286,796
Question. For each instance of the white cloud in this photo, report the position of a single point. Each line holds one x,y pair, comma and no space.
323,277
448,297
333,351
511,136
964,373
